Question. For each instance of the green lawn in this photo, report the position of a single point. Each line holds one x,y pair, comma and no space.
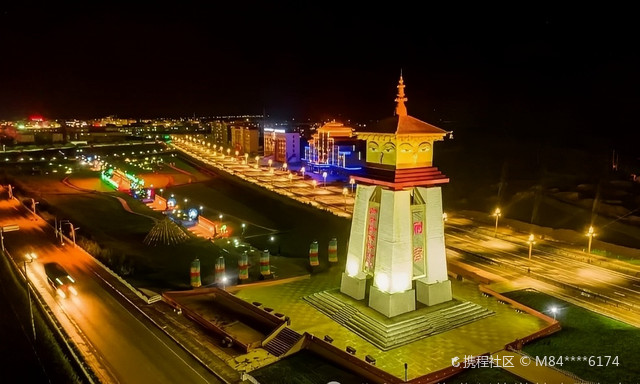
586,333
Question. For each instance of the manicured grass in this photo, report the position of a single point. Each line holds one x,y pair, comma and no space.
585,333
305,367
156,267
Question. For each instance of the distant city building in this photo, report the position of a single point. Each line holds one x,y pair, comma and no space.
111,121
281,145
305,129
219,133
334,147
244,140
37,130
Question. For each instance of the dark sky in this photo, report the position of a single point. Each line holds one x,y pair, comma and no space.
538,68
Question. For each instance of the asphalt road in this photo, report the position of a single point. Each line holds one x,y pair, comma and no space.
118,341
583,277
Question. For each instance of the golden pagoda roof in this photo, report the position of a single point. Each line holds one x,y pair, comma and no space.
401,123
404,125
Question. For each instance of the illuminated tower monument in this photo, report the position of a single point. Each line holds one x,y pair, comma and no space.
397,231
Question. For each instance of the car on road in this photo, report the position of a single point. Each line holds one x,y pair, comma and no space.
60,280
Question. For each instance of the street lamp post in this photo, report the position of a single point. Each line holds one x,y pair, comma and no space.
244,226
324,176
530,241
284,167
73,231
352,181
314,183
29,259
345,192
270,162
246,159
554,310
33,205
302,170
497,213
590,235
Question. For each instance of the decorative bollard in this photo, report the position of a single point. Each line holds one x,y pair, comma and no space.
220,278
265,268
195,273
313,254
243,266
333,250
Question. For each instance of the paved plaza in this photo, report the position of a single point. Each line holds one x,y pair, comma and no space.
487,335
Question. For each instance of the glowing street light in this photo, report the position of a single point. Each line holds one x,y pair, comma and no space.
554,310
284,167
161,190
246,158
590,235
345,192
244,226
352,181
224,282
302,170
314,183
270,162
497,213
530,241
324,176
228,151
290,178
444,216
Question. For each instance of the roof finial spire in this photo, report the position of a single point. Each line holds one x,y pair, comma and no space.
401,109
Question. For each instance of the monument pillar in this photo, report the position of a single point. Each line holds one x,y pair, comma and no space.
396,254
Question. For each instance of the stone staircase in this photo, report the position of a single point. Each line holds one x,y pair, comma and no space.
387,335
284,340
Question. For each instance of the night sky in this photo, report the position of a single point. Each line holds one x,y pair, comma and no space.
537,69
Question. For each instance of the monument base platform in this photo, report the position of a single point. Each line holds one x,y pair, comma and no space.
434,293
354,286
387,333
392,304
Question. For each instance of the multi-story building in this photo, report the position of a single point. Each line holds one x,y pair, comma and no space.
281,145
219,133
244,140
334,147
